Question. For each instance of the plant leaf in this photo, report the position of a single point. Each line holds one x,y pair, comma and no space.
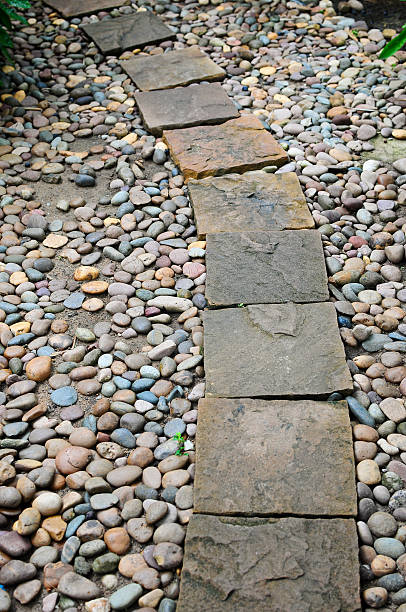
5,18
394,45
19,4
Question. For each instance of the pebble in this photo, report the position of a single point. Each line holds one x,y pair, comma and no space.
78,587
125,596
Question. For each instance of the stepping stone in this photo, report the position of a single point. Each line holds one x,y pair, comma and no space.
279,565
274,350
248,202
274,457
238,145
128,32
184,107
172,69
265,267
76,8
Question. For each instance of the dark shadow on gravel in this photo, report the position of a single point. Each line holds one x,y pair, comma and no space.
378,13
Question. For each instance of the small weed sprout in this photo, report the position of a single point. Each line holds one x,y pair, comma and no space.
181,442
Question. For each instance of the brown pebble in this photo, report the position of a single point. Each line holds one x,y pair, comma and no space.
53,572
72,459
117,540
382,565
39,368
375,596
364,450
365,433
101,406
59,326
140,456
130,564
55,526
41,538
367,554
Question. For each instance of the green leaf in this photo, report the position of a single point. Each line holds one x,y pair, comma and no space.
5,40
21,18
394,45
5,18
19,4
13,15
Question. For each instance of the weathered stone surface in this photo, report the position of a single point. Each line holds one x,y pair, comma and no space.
78,587
185,107
288,565
75,8
276,473
172,69
238,145
128,32
248,202
274,350
270,267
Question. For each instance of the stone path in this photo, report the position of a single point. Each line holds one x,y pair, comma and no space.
172,69
294,360
138,30
249,202
270,458
284,564
274,501
262,267
184,107
77,8
260,458
235,146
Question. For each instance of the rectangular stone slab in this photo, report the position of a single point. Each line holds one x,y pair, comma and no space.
128,32
270,565
76,8
265,267
238,145
172,69
274,457
185,106
274,350
248,202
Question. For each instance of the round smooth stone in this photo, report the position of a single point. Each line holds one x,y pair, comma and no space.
64,396
125,597
389,547
174,426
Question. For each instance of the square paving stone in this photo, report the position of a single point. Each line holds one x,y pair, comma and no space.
128,32
274,350
172,69
270,565
185,106
265,267
274,458
248,202
76,8
238,145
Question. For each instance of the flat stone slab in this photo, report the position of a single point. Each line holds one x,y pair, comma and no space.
238,145
185,106
274,350
265,267
128,32
76,8
274,457
172,69
248,202
270,565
